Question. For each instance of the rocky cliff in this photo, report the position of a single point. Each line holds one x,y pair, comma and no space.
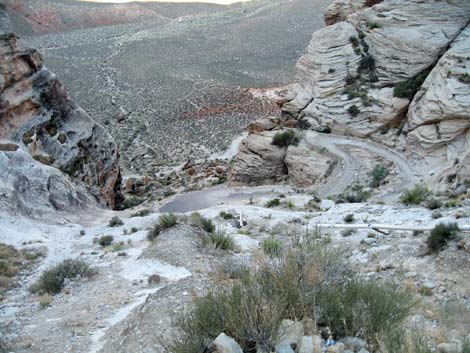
393,71
37,114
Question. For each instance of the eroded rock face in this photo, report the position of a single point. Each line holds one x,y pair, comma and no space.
348,78
258,160
437,131
340,9
37,113
34,189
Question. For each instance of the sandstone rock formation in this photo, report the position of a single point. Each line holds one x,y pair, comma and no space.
37,113
437,131
34,189
360,77
259,161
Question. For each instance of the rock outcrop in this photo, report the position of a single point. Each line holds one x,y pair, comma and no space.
360,76
437,131
34,189
37,113
260,161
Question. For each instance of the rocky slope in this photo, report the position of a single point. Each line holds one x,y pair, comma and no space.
37,114
362,77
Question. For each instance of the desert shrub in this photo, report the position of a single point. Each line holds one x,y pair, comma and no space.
290,204
398,340
373,25
354,41
204,223
364,308
129,202
407,89
440,235
464,78
349,218
52,280
105,240
414,196
378,174
226,215
432,203
273,203
285,138
115,222
168,220
271,247
353,110
141,213
219,240
356,194
119,246
367,64
154,232
251,308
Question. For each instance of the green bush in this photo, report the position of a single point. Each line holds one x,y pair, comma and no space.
271,247
220,240
154,232
205,224
285,138
226,215
115,222
407,89
378,174
440,235
52,280
251,308
349,218
105,240
432,203
357,194
353,110
273,203
415,196
168,220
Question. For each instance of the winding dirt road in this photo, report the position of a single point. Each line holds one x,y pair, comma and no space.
345,174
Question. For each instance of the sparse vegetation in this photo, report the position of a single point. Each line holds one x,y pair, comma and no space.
378,175
118,246
407,89
205,224
347,232
415,196
105,240
52,280
271,247
251,307
115,222
220,240
273,203
357,194
349,218
226,215
440,235
168,220
353,110
286,138
141,213
433,203
164,222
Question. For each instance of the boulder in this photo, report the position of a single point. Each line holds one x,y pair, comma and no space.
226,344
306,165
340,9
291,332
284,347
37,113
30,188
258,160
311,344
